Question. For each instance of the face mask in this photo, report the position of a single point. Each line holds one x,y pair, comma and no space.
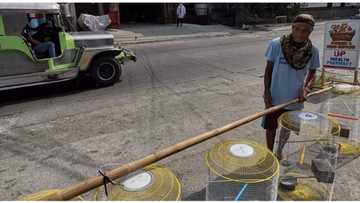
34,23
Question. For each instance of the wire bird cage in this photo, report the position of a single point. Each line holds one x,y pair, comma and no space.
345,108
152,183
306,146
299,184
241,170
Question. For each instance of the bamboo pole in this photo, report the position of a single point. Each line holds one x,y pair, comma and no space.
96,181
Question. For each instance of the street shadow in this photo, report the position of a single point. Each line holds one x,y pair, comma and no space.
57,152
26,94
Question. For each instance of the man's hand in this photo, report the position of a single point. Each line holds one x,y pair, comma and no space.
267,100
33,41
303,94
308,83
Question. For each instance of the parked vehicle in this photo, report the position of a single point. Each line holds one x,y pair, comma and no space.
92,53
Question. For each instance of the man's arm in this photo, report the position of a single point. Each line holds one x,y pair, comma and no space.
267,83
33,41
310,79
308,83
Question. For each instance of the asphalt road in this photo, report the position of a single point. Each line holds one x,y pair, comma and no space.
53,136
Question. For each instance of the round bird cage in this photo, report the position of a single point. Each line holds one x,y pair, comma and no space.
241,170
153,183
304,146
300,128
309,124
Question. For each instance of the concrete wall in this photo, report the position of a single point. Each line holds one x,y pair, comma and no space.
169,16
331,13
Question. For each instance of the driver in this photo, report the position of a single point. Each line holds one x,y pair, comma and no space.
39,45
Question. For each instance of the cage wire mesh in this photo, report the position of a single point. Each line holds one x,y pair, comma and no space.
305,189
306,147
241,170
345,108
348,150
315,165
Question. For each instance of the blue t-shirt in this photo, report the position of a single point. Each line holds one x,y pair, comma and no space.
286,82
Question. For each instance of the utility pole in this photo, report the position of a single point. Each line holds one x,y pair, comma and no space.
101,8
68,12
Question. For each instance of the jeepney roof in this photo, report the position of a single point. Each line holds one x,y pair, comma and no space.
29,8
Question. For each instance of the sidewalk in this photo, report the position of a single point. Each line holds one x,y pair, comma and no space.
146,33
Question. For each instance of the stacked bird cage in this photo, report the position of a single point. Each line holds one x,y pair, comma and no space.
306,146
298,184
241,170
153,183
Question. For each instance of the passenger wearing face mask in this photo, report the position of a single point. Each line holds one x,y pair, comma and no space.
32,34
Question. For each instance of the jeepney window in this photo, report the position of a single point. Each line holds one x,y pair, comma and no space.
14,23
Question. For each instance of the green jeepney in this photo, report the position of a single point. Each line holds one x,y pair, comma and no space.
92,53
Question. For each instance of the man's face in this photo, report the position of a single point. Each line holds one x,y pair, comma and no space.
301,32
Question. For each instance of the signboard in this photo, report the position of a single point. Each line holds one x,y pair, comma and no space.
342,44
341,58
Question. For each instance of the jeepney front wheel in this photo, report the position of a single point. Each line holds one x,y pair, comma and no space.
105,71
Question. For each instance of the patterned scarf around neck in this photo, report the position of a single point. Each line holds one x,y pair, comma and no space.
296,56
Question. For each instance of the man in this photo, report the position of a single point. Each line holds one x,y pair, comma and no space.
38,45
180,15
290,59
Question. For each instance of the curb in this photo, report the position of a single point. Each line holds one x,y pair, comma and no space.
318,24
144,40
